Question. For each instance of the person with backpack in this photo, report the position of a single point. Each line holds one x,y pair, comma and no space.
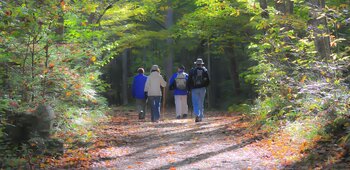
178,83
153,90
138,86
198,80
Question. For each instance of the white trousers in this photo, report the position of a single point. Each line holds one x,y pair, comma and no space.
181,104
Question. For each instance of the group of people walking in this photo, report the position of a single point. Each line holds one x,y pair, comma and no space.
148,89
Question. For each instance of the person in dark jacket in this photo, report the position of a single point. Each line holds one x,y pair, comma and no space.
178,83
198,80
138,87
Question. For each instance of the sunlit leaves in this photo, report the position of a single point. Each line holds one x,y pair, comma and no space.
223,21
302,80
218,8
63,5
266,46
118,15
68,94
93,59
90,7
51,65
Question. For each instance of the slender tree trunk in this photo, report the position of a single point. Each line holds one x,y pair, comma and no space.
33,66
24,72
92,17
234,70
263,6
284,6
115,73
6,85
170,43
47,56
46,69
125,76
235,75
168,63
289,6
26,56
209,70
60,29
280,6
319,28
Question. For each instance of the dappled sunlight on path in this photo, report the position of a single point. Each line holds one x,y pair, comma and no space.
219,142
222,141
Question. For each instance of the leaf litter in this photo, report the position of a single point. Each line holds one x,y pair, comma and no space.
221,141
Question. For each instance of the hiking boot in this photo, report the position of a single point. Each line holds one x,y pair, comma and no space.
141,115
197,119
184,116
178,117
156,121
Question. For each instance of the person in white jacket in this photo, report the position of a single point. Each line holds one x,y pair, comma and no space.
153,90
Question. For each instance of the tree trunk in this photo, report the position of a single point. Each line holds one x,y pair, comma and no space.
47,56
284,6
289,7
60,29
280,6
170,43
234,70
168,62
263,6
209,71
319,27
33,65
125,76
115,75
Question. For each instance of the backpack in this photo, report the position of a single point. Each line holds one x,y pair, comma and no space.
180,81
199,79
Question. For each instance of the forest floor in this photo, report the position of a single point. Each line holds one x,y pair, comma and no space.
221,141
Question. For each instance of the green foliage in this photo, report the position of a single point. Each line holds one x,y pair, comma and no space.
49,52
51,55
305,129
131,29
293,82
241,108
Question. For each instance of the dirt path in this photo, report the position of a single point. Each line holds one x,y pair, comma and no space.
219,142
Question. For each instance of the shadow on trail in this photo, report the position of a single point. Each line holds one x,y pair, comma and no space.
173,138
170,124
155,141
325,155
210,154
148,140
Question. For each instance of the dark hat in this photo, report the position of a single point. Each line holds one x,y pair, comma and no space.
181,67
199,61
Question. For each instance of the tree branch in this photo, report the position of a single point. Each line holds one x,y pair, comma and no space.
104,12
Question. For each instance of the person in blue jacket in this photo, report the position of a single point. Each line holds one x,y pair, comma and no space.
178,83
138,93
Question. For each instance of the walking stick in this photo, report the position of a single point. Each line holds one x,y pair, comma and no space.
164,100
164,96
